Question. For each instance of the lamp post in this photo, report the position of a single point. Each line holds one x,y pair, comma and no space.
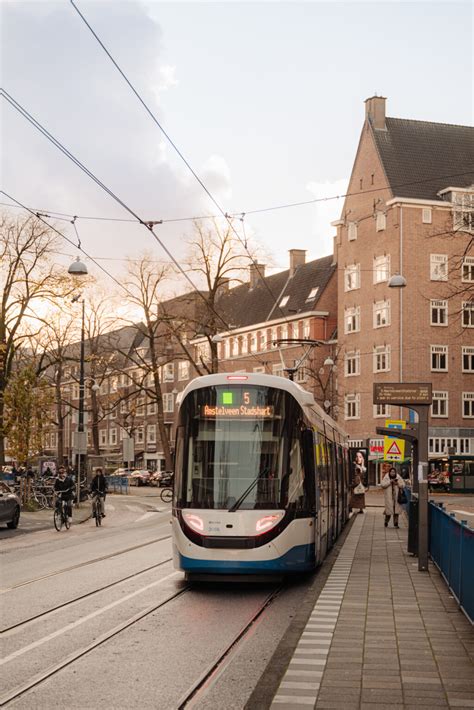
77,269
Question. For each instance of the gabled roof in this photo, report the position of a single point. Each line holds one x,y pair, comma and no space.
416,155
244,306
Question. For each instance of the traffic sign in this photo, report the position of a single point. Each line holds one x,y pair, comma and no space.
393,448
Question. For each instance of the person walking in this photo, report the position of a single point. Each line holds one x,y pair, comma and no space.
392,483
357,485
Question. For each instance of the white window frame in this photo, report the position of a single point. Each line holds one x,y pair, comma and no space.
467,357
113,437
253,342
438,267
467,270
140,435
312,294
168,402
468,397
381,268
352,231
463,211
102,437
168,372
352,363
382,411
352,320
380,221
151,408
426,215
352,277
183,370
439,406
468,314
381,358
381,314
277,370
306,328
75,391
352,406
151,434
300,375
438,307
437,354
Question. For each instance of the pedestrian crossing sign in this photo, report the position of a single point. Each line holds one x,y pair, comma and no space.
393,448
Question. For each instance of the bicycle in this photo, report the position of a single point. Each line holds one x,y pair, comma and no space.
60,515
97,509
166,495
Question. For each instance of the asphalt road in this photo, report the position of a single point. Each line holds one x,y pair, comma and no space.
62,593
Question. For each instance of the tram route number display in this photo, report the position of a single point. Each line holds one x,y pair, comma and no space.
237,404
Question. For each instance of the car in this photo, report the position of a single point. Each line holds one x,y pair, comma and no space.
164,478
9,506
139,477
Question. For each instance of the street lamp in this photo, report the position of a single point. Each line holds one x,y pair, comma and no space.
78,268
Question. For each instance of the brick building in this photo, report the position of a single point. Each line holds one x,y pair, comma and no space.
409,210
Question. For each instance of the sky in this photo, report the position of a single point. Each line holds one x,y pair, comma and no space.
265,100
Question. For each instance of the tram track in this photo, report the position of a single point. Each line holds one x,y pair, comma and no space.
70,602
83,564
210,676
72,657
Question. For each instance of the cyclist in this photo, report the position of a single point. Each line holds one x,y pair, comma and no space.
99,487
64,488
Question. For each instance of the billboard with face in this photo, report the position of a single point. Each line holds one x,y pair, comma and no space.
359,458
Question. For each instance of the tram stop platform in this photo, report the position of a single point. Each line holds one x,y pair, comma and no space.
380,634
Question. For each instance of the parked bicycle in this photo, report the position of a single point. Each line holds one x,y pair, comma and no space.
166,495
60,515
97,508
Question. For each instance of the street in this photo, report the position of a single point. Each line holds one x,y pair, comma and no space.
99,616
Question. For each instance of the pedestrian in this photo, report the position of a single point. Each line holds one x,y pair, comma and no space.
392,484
357,484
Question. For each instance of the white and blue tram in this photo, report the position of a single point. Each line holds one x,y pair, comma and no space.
261,478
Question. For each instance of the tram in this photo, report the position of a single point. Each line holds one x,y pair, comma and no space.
261,478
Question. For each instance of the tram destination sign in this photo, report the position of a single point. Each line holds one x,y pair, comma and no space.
403,393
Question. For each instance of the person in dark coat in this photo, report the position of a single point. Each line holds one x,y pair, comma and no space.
358,483
99,487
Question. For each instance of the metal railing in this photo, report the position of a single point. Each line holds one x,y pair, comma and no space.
451,546
117,484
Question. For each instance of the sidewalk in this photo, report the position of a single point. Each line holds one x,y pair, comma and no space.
381,635
43,519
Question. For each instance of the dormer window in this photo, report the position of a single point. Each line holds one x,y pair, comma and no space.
463,211
312,294
284,301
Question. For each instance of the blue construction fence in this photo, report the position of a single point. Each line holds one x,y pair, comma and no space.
452,550
117,484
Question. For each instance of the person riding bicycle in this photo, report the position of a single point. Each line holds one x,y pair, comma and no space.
99,487
64,489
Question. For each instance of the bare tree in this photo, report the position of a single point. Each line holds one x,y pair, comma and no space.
29,280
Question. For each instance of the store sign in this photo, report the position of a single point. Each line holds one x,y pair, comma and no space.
402,393
376,448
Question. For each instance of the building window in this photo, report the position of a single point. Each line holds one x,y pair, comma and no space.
104,387
244,344
123,407
300,375
381,410
312,294
151,433
103,437
75,391
468,269
352,320
274,337
463,211
468,405
295,330
253,342
114,384
381,314
352,277
381,358
352,406
468,314
151,408
381,268
438,267
168,402
183,370
439,312
140,435
284,301
352,363
352,231
259,370
439,358
140,410
277,370
113,437
380,221
168,372
439,406
426,215
467,359
306,329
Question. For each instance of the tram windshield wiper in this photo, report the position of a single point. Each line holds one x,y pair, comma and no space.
244,495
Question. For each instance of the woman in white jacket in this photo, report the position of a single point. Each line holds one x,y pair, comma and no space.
392,483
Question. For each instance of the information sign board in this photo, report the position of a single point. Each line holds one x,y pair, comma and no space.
402,393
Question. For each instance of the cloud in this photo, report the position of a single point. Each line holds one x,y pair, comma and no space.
328,211
215,174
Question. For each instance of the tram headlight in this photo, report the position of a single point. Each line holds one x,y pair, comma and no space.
267,522
194,522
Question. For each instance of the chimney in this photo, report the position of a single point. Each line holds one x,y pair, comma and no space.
257,271
297,259
375,112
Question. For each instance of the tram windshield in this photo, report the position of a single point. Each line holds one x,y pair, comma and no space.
239,448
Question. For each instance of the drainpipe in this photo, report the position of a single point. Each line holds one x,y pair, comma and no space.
400,361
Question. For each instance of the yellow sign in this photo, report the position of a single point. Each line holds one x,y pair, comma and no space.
394,449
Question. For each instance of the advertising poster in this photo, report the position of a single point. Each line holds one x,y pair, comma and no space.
359,458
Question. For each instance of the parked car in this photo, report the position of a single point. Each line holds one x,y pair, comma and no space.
163,478
139,477
9,506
